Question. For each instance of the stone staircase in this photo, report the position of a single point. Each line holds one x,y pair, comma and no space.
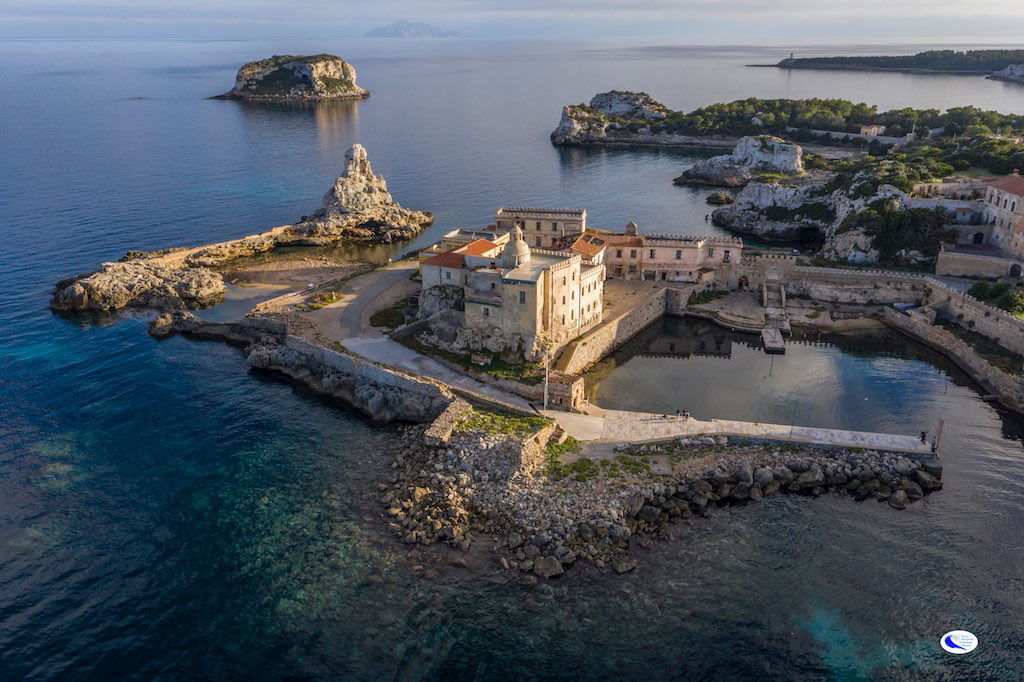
776,319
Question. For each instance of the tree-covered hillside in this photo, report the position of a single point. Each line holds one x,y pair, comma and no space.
970,61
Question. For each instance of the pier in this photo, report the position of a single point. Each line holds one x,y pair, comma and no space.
620,426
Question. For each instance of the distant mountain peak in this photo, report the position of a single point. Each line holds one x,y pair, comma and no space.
410,29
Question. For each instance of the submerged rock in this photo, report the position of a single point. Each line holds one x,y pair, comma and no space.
289,77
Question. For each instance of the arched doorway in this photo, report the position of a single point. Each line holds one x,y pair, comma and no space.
979,238
1015,270
744,283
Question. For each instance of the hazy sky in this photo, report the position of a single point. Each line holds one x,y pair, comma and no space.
769,22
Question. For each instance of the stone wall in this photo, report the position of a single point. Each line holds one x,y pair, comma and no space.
975,315
856,286
958,264
591,347
1008,388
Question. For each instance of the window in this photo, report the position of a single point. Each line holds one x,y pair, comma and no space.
651,253
554,227
563,300
572,295
538,225
632,253
487,311
572,314
618,253
618,271
447,275
564,281
492,286
563,319
725,256
522,297
679,254
711,253
632,269
537,241
574,275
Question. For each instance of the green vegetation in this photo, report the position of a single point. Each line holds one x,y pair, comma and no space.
970,61
699,297
1010,299
529,373
754,116
992,352
318,301
635,465
390,317
494,423
337,84
894,229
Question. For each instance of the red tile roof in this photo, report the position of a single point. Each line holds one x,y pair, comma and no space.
480,247
586,248
447,260
1014,184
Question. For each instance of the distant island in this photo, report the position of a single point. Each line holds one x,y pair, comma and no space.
289,77
410,29
969,62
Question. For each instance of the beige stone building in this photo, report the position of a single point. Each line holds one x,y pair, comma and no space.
1004,210
541,226
518,297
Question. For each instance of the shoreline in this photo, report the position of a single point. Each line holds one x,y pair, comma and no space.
924,72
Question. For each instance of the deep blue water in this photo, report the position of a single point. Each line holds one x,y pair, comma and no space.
164,513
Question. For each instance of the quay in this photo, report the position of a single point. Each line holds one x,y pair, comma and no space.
620,426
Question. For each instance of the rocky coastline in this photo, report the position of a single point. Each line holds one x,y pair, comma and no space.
1011,74
296,78
358,207
482,484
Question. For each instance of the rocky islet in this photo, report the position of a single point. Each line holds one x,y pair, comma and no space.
296,78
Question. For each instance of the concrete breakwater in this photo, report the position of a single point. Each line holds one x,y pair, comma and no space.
546,517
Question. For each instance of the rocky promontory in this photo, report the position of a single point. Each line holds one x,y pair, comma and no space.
288,77
1013,73
358,207
752,156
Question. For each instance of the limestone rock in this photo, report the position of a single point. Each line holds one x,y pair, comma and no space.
441,297
135,284
547,566
1013,73
629,105
721,198
359,206
288,77
752,155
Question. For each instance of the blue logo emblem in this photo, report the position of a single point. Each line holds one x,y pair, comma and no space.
959,642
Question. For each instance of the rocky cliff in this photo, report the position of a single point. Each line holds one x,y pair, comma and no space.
357,207
1013,73
287,77
807,213
751,157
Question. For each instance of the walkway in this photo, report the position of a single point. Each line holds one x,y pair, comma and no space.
619,426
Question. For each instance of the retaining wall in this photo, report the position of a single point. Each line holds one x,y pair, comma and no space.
1008,388
590,348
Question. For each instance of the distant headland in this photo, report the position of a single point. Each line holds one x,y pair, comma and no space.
968,62
303,78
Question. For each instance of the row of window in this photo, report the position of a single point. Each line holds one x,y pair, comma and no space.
994,199
679,253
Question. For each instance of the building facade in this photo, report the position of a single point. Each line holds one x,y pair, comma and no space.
1004,210
541,226
520,298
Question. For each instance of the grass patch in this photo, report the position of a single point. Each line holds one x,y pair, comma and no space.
635,464
390,317
700,297
495,423
989,350
318,301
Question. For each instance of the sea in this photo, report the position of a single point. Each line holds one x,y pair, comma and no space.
167,514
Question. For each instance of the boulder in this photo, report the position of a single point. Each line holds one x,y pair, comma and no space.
623,564
547,567
927,481
912,489
720,198
763,476
898,500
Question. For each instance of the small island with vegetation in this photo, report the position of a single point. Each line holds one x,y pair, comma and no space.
287,77
969,62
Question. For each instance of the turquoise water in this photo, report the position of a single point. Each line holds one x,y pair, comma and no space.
166,513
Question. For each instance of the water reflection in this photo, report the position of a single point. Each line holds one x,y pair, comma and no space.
875,380
336,122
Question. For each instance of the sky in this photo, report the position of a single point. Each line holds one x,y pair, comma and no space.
761,22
